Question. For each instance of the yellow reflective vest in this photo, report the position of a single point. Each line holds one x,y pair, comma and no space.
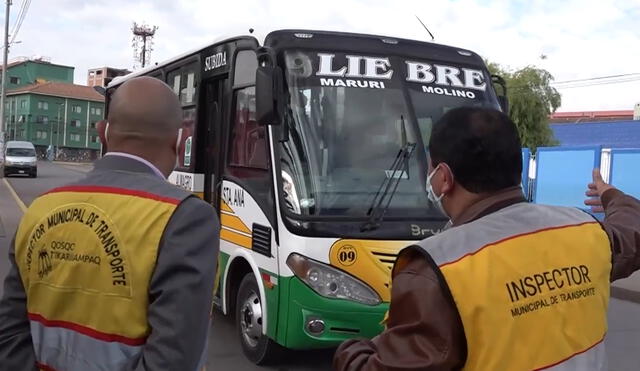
86,255
531,286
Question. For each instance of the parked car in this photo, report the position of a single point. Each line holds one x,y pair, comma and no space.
20,158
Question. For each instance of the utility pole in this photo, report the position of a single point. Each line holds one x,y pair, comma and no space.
57,149
4,71
142,34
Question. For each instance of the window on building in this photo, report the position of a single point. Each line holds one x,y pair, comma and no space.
92,125
74,137
14,80
75,123
23,103
94,139
93,110
41,134
22,118
42,119
76,108
43,105
98,111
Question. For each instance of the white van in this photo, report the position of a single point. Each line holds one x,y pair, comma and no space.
20,158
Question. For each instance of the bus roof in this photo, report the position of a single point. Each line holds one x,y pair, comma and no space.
220,40
451,51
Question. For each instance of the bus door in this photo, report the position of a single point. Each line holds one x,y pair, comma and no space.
213,133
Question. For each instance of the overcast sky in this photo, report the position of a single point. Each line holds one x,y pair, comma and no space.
580,38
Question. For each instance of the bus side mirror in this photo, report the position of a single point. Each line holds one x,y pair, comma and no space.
267,92
502,97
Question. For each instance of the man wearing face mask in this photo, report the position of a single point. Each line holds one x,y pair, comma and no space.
508,285
116,271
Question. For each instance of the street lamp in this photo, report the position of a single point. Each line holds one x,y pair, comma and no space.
58,133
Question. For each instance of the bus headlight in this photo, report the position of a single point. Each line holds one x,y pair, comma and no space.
330,282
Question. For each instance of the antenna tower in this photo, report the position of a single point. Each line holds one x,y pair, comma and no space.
142,43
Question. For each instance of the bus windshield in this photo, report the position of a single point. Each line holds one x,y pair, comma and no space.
344,133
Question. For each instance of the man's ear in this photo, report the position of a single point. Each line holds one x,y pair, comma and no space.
448,179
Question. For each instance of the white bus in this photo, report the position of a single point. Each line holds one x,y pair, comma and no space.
312,146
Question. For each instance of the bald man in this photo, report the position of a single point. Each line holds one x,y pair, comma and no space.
116,271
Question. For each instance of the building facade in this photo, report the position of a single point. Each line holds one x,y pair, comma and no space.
23,71
103,76
609,134
60,115
44,107
591,116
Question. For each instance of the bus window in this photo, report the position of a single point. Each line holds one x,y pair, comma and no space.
175,82
188,93
248,156
183,82
248,139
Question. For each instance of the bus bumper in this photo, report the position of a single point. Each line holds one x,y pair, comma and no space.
314,321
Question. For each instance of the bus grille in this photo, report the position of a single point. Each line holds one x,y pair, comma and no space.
385,258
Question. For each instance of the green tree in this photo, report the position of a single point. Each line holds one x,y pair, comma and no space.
531,100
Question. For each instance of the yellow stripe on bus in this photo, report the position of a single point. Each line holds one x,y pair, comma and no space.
225,207
235,237
233,222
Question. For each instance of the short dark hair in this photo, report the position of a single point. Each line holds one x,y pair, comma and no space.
481,146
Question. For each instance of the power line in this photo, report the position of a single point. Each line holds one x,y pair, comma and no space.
592,81
18,16
598,83
24,8
597,78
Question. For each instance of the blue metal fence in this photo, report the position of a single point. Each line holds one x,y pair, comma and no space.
625,170
562,175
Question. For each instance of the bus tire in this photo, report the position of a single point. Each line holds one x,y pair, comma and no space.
257,347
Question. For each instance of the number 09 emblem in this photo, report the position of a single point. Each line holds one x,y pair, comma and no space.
347,255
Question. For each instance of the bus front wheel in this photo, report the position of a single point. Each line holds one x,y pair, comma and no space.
257,347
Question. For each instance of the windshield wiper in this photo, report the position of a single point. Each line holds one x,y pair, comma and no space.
389,184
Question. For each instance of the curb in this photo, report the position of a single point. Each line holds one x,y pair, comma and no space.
72,163
625,294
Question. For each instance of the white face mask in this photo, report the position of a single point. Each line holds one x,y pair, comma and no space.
436,200
106,133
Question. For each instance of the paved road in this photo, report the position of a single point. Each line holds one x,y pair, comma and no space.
224,347
623,340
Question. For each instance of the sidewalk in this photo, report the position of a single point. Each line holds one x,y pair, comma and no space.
627,289
76,166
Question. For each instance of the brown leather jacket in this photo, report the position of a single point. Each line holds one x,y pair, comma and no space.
424,331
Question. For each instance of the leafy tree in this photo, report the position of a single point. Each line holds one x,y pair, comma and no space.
531,100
